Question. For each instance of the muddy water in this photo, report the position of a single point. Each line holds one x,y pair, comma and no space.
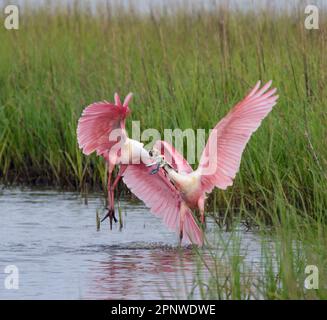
52,239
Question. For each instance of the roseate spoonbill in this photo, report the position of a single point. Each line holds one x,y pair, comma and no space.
97,123
98,120
221,157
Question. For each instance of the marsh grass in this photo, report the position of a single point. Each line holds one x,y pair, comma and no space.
226,271
186,70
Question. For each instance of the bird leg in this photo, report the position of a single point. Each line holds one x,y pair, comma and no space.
182,212
201,208
111,210
110,201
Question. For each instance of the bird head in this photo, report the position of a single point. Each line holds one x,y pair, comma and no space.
125,104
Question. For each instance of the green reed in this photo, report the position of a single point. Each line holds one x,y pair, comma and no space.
186,70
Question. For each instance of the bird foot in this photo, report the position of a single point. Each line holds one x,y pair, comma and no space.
111,215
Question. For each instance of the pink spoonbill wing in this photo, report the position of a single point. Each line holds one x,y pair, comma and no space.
98,120
161,197
222,154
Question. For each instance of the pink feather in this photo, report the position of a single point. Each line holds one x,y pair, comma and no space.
98,120
173,157
230,136
128,99
162,198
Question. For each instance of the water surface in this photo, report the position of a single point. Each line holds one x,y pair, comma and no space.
52,238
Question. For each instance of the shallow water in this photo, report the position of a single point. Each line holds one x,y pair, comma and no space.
51,238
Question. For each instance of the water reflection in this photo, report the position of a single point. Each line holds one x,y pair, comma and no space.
144,274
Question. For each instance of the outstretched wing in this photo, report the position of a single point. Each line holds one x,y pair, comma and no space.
98,120
161,197
222,154
173,157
